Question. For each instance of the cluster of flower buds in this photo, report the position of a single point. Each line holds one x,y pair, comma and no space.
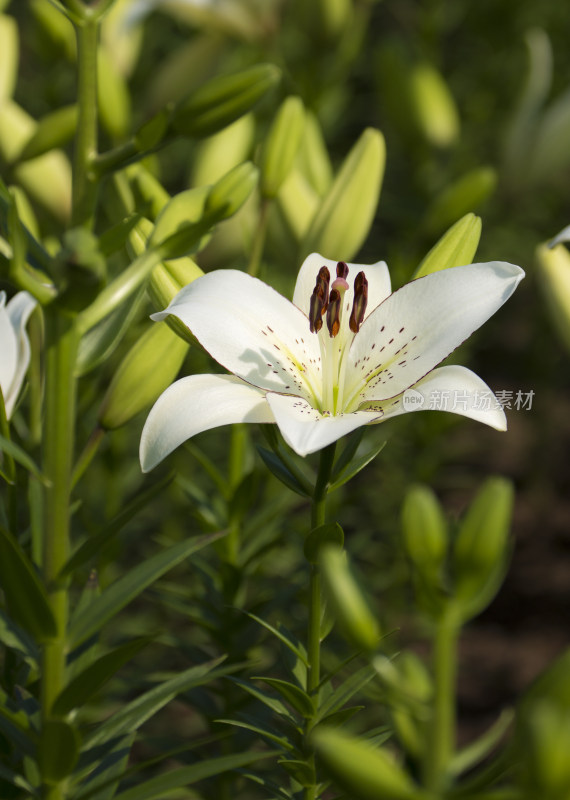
331,302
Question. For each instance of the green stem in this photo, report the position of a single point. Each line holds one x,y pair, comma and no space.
84,176
235,474
259,239
441,731
61,348
318,513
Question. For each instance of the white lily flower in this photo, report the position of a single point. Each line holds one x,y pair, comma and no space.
334,359
14,345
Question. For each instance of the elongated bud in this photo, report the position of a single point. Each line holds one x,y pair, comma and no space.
151,193
178,227
218,154
168,278
223,100
456,247
53,130
425,530
313,158
481,545
9,56
231,191
460,197
435,110
363,772
146,371
554,274
360,302
113,97
334,16
345,215
543,739
298,203
350,608
281,145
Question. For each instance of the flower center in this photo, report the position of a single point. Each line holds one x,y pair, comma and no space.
334,347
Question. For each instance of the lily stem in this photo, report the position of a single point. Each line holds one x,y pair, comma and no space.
318,514
441,736
259,239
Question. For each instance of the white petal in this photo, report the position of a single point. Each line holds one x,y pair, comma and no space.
195,404
306,430
252,331
563,236
455,389
419,325
19,309
377,276
8,353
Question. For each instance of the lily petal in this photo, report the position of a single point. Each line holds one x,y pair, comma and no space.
306,430
419,325
453,388
8,351
252,331
377,275
18,310
195,404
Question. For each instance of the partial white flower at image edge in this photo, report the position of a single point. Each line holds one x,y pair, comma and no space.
333,359
14,346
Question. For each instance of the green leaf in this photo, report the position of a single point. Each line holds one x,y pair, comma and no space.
17,780
26,597
476,751
104,781
267,699
116,237
101,340
261,780
338,718
300,771
296,697
278,468
354,467
282,741
53,130
15,638
185,776
135,713
19,455
298,650
94,545
345,691
95,676
123,591
328,534
58,750
348,452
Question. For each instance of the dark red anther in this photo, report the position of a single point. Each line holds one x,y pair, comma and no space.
323,281
360,302
316,310
333,313
342,270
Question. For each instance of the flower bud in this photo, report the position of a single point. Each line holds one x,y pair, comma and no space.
481,546
350,608
456,247
56,26
146,371
554,275
334,16
543,738
167,279
298,203
363,772
460,197
313,158
434,107
9,46
148,190
113,97
222,100
178,228
231,191
343,220
53,130
218,154
281,145
425,531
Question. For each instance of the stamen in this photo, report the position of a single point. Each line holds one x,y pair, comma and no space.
360,302
333,312
340,283
319,300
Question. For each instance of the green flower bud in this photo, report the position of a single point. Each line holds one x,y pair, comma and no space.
180,226
148,190
362,771
146,371
54,130
167,279
56,26
460,197
544,743
113,97
9,56
455,248
313,158
334,15
481,546
281,145
218,154
222,100
435,110
298,203
349,606
344,218
554,275
425,530
231,191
